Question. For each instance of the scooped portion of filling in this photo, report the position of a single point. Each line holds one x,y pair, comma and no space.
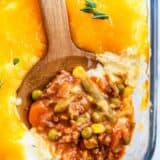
84,117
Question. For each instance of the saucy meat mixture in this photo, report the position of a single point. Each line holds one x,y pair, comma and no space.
84,117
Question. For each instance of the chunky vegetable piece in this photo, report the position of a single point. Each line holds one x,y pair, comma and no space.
98,128
93,90
53,135
75,113
87,132
36,94
37,110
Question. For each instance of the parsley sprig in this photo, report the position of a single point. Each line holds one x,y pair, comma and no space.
90,8
99,15
16,61
91,4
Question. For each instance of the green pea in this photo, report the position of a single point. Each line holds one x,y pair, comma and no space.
53,134
121,88
36,94
98,128
98,117
87,132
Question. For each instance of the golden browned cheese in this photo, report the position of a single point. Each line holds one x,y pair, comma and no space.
126,27
21,36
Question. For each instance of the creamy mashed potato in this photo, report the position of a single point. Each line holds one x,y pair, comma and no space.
35,147
125,65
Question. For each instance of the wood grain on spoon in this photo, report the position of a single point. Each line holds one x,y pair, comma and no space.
61,54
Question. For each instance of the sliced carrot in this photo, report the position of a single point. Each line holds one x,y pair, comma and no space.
37,109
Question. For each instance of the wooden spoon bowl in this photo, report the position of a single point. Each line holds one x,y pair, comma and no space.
61,54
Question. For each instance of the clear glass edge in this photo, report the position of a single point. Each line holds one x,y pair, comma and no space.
153,79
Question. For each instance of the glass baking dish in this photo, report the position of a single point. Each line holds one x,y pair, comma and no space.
144,140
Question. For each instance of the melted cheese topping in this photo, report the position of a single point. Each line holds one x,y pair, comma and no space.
126,28
21,36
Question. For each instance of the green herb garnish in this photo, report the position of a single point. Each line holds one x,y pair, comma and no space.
87,10
99,15
90,8
15,61
90,4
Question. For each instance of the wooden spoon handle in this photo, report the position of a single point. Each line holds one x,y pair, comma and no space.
57,26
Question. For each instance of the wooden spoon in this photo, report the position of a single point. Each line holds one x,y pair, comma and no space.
62,54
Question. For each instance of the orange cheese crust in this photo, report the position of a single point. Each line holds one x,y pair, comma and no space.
21,36
126,27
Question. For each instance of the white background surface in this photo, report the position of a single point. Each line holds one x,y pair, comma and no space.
157,150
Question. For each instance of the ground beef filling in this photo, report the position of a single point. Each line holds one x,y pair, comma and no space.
66,114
